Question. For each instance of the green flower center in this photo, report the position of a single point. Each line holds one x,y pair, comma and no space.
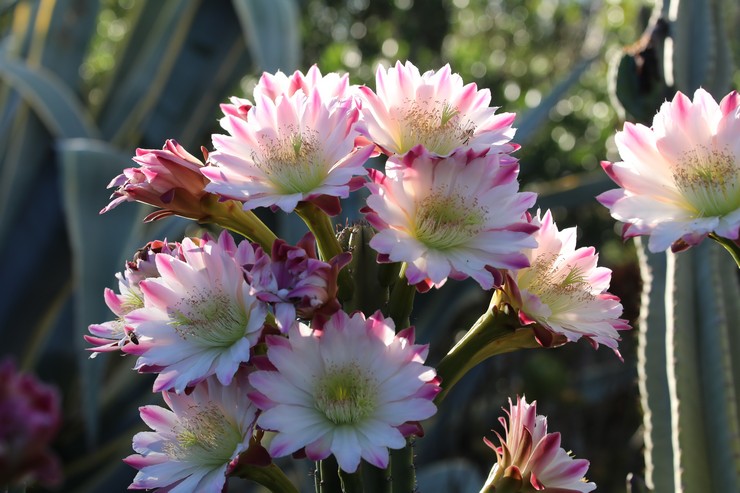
211,319
206,437
294,164
446,221
346,395
435,124
558,286
709,179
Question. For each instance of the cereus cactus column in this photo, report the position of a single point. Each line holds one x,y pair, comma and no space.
689,352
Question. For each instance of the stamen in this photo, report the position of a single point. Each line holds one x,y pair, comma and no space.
294,164
446,221
207,436
558,285
346,395
436,124
709,179
210,318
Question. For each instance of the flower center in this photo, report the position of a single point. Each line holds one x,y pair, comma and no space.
209,318
346,395
447,221
206,437
710,180
436,125
560,286
294,164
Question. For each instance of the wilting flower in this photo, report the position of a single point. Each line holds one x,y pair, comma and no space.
296,282
433,109
200,317
331,85
196,443
354,389
532,457
29,420
563,291
169,179
680,178
298,148
460,216
114,334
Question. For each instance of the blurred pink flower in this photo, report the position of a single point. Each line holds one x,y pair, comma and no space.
563,291
169,179
460,216
530,455
297,148
200,317
114,334
29,420
353,389
680,178
196,443
433,109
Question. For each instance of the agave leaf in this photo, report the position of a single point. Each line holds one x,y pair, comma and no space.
531,121
100,244
271,29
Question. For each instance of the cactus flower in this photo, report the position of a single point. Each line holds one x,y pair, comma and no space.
680,178
169,179
433,109
353,389
563,291
530,459
458,216
200,317
297,148
196,442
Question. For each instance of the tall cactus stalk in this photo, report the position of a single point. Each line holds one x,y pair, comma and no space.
689,350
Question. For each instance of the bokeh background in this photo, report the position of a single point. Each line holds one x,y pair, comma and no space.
84,83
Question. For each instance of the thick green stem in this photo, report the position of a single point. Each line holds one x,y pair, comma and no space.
495,332
403,471
271,477
730,245
231,216
374,479
320,225
351,482
401,300
330,482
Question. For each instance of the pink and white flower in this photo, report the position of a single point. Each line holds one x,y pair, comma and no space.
353,389
169,179
563,291
196,442
680,178
114,334
433,109
331,85
459,216
199,318
532,456
297,148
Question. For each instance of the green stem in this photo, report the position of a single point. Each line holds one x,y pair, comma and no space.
403,472
322,228
376,480
401,300
495,332
271,477
330,482
730,245
351,482
231,216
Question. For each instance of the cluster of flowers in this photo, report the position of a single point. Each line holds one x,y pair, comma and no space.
245,341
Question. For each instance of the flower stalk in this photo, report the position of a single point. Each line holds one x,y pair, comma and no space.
271,477
729,245
497,331
401,300
320,225
230,215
